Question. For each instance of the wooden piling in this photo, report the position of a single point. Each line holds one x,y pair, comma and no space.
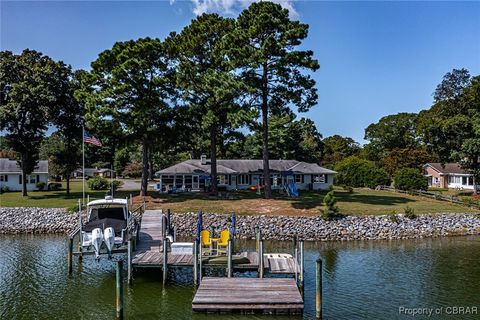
295,250
200,263
260,261
174,233
229,259
119,287
168,221
302,259
129,262
164,226
318,295
257,238
70,255
294,240
165,262
195,263
131,200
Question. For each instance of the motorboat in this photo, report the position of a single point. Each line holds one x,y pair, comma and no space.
108,225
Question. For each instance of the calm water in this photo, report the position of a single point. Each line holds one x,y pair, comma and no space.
362,280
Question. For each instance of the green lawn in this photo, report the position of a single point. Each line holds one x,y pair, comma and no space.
359,202
54,199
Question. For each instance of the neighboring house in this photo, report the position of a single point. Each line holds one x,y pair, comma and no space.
94,172
449,175
242,174
11,175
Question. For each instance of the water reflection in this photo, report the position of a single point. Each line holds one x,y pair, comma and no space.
362,280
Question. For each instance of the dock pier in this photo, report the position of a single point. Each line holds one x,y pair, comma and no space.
270,295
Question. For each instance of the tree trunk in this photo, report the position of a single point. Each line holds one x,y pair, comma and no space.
24,177
68,184
150,170
213,159
474,185
143,190
266,166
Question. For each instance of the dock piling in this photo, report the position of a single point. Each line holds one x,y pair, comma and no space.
260,261
302,258
295,250
129,262
168,221
119,290
164,226
165,262
70,255
200,269
195,263
229,259
318,295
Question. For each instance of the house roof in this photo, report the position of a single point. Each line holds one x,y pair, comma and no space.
11,166
447,168
238,166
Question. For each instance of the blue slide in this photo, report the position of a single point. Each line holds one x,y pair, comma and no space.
292,188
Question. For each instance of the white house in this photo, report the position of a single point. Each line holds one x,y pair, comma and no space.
242,174
11,175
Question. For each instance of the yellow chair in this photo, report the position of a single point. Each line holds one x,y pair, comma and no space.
223,243
205,239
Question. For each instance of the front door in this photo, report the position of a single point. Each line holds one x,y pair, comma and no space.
195,182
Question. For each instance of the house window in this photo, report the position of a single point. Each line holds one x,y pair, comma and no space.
31,179
299,178
454,179
4,178
319,178
243,179
221,179
470,181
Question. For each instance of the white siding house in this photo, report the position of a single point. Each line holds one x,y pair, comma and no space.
11,175
242,174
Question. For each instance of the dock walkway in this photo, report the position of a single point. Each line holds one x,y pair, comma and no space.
262,295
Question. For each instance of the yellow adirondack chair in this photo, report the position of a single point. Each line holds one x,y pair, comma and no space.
206,241
223,243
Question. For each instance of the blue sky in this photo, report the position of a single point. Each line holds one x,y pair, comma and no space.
377,58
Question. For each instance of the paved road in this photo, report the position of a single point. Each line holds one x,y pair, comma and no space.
129,184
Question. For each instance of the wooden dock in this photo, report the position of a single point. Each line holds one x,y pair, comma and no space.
265,295
149,252
149,246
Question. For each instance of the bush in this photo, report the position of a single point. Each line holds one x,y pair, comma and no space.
54,186
393,217
116,184
40,185
356,172
331,210
133,169
98,183
410,213
410,179
347,188
4,189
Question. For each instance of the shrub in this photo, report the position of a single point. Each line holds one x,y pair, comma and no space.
410,179
356,172
133,169
4,189
410,213
330,187
116,184
54,186
98,183
40,185
393,217
331,210
347,188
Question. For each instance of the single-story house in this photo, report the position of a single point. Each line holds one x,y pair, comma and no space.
11,175
94,172
242,174
448,175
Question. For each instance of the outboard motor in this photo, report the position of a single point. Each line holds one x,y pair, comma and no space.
97,239
109,238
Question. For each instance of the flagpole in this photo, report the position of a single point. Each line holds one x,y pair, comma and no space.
83,164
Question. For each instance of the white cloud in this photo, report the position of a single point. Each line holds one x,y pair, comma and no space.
233,7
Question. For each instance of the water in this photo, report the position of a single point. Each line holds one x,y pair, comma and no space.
362,280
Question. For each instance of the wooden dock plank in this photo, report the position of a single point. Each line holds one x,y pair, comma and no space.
248,294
